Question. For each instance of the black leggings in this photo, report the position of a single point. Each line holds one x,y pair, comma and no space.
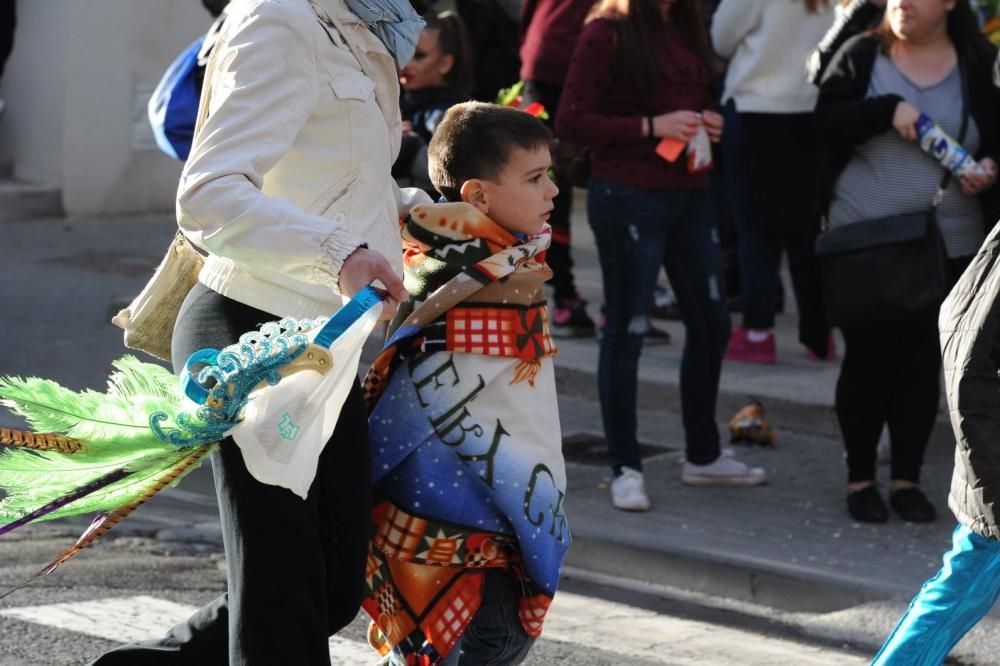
295,567
890,376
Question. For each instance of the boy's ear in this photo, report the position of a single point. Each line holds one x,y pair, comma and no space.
474,192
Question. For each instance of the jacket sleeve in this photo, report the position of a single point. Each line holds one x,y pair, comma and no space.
732,21
845,116
969,325
263,89
579,119
857,17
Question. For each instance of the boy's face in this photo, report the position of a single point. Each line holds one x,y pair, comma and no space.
520,200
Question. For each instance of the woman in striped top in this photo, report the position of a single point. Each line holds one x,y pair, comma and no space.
870,98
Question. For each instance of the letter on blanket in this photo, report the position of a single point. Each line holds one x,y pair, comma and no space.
558,528
417,360
487,474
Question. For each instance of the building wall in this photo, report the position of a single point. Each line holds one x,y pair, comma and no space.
75,87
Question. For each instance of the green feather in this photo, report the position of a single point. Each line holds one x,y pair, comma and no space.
121,415
113,428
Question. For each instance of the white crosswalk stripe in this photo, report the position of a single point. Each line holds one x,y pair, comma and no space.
140,618
584,622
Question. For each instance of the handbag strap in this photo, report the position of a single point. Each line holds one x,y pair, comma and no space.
963,79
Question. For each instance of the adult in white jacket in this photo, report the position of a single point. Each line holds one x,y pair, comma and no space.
770,159
288,190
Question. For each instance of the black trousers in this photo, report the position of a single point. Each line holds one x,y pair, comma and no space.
8,20
890,377
295,568
558,256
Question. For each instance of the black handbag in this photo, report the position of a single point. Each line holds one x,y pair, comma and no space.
882,270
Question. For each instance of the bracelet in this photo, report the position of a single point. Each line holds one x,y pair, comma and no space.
649,125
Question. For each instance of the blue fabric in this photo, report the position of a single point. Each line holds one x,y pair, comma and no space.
425,475
638,230
394,22
948,605
173,107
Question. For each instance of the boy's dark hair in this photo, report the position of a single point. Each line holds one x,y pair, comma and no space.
475,140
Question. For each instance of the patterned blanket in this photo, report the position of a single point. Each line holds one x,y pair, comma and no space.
466,447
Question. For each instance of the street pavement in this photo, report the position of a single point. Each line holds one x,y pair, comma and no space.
135,586
786,554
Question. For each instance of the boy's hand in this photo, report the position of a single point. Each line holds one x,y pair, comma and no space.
680,125
713,124
364,266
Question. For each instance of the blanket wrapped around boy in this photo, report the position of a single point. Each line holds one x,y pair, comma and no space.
465,438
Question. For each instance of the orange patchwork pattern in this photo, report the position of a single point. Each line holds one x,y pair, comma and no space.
507,332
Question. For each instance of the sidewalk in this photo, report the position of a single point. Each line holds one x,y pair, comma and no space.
789,546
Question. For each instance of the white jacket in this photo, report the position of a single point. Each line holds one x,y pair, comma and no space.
767,43
290,171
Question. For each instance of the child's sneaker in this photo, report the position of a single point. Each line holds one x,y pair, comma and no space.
751,346
570,319
628,491
725,471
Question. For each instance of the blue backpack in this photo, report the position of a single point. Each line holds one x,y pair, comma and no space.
173,107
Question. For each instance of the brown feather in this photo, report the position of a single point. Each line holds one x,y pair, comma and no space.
103,523
45,441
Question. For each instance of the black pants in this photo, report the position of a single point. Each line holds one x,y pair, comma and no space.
8,19
890,377
558,256
771,178
295,567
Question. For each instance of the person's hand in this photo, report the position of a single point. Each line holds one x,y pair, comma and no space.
974,183
361,268
713,125
407,127
679,125
904,120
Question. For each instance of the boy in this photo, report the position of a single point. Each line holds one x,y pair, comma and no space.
466,446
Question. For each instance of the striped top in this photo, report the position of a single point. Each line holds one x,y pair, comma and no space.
888,175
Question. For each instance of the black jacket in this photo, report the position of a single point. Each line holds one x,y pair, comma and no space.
846,118
970,345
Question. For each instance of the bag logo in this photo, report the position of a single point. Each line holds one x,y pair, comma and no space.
287,428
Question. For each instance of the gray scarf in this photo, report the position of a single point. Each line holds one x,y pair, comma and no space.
394,22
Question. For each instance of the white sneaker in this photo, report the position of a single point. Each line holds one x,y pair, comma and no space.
725,471
628,491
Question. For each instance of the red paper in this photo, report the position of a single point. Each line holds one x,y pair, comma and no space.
670,149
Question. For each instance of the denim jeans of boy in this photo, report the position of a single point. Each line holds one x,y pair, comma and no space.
637,231
495,636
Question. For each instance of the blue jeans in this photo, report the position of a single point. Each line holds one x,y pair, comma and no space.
495,636
638,230
948,605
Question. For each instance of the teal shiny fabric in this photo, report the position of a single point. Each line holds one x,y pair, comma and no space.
948,605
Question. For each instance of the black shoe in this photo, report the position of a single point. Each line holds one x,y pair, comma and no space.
866,506
665,304
657,336
912,505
